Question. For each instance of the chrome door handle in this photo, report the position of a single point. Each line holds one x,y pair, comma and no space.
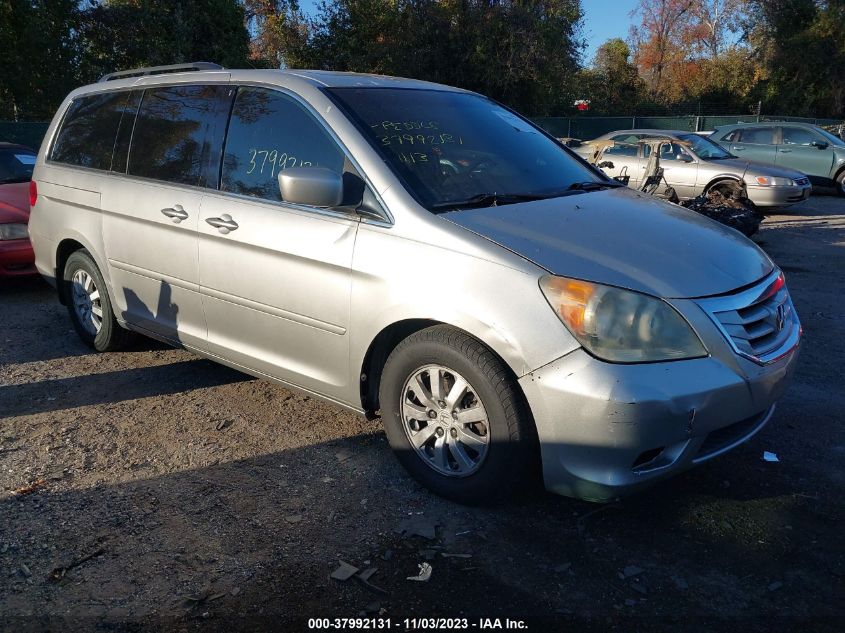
175,213
224,223
737,149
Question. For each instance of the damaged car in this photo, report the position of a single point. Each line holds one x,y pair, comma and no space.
696,165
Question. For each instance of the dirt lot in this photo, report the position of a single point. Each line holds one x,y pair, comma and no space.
173,493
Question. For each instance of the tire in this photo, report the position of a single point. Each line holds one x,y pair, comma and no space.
86,294
840,184
472,474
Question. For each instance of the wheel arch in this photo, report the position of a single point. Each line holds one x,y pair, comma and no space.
386,341
64,250
720,179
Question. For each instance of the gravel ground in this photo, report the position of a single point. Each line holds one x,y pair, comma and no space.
170,493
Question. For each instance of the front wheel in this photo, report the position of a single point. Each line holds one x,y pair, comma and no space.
89,305
455,417
840,183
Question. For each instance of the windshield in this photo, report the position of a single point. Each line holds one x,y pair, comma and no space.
704,148
455,149
831,138
16,165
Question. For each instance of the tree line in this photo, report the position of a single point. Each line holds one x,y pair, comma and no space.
788,55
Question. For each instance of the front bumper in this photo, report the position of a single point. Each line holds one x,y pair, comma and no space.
778,196
16,258
607,430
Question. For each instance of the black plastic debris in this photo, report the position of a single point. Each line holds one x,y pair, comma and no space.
736,212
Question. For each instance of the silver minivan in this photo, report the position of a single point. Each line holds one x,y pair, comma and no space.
420,252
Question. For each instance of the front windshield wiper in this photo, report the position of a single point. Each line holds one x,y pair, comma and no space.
497,199
593,185
486,200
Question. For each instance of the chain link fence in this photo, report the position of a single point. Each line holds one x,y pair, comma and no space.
30,133
589,127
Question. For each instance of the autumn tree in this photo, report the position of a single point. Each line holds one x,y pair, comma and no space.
659,41
712,23
280,33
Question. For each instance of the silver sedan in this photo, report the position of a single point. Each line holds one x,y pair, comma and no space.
697,164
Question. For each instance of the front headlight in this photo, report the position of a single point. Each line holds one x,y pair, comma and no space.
13,231
772,181
621,325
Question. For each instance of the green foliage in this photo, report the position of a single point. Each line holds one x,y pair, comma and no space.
612,83
521,53
801,46
38,48
121,34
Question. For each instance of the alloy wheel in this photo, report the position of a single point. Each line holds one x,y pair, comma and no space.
87,304
445,421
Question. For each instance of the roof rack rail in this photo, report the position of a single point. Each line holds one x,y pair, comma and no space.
160,70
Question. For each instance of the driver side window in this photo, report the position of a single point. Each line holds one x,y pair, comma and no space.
268,133
672,151
798,136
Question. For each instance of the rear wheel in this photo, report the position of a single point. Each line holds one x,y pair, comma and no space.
89,305
455,417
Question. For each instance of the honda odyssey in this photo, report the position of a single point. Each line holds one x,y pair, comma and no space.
419,251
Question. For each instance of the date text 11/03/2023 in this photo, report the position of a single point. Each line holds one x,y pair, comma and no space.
418,624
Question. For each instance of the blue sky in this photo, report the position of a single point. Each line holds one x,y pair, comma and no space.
603,19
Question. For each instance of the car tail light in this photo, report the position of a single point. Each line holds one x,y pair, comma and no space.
33,193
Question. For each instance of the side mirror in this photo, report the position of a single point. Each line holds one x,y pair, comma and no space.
311,186
685,158
820,144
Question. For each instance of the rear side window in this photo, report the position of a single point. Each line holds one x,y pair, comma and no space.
88,130
178,134
758,135
270,132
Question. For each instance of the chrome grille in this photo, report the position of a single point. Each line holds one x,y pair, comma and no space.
760,323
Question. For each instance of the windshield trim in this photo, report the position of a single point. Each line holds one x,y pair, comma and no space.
362,129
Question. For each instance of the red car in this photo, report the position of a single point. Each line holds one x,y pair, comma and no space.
16,256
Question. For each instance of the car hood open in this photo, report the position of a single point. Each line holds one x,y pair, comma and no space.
623,238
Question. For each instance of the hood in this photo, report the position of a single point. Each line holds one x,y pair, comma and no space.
623,238
14,202
738,166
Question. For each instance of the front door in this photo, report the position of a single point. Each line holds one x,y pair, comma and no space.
150,215
680,169
275,277
796,151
